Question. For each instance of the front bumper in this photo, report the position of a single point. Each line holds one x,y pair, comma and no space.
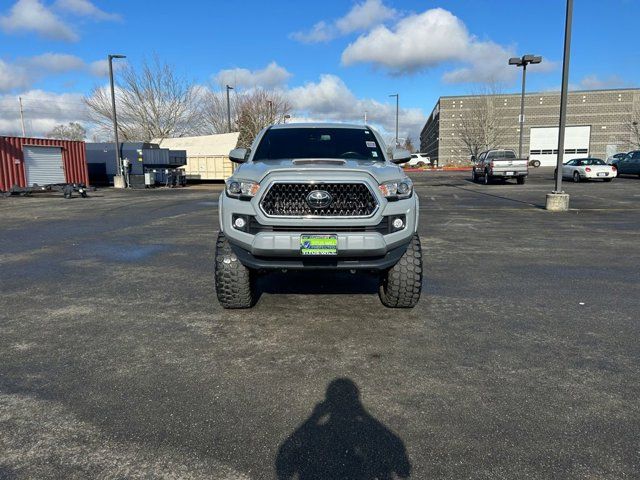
282,246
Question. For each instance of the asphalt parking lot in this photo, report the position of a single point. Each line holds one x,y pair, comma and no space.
521,360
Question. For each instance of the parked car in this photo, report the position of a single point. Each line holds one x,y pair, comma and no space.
499,164
629,164
418,160
318,196
580,169
615,158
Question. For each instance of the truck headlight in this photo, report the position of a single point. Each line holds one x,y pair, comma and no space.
398,189
241,188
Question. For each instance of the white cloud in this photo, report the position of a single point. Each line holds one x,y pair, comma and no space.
33,16
42,111
594,82
12,77
361,17
365,15
55,63
86,8
429,39
331,100
272,76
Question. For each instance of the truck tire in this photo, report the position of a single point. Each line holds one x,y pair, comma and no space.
521,180
234,282
400,286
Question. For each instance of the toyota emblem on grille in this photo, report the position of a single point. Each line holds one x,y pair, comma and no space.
319,199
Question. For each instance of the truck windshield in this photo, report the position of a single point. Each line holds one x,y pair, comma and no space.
345,143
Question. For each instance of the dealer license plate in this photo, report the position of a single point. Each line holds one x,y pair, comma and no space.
319,244
602,174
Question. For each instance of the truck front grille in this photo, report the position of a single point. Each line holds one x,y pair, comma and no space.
347,200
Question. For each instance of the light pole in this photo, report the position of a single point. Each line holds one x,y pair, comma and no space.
397,95
229,109
117,182
558,201
523,62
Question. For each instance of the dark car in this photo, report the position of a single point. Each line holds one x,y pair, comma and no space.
629,164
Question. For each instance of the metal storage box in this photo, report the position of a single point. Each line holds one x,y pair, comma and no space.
28,161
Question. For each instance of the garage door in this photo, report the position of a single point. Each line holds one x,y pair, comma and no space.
43,165
544,144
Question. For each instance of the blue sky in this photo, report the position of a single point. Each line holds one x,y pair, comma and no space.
364,50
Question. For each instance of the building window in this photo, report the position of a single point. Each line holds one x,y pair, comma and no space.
569,150
534,152
582,150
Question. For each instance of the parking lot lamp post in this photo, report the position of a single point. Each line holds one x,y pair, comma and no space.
558,200
523,62
397,95
229,109
119,182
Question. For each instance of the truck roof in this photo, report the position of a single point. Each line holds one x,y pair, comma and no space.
319,125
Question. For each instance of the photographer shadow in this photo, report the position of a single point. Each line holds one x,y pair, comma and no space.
341,440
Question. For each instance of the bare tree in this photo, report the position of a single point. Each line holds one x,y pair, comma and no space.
632,127
258,109
251,111
482,125
151,102
408,145
71,131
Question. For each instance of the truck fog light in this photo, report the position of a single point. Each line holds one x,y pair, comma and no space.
398,224
239,223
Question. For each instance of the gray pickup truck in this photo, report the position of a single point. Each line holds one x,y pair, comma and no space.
318,196
502,164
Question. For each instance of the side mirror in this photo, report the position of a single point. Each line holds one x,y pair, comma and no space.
239,155
400,155
473,158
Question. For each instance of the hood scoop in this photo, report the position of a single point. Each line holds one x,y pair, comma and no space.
319,161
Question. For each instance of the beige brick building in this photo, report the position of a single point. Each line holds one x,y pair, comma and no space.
595,124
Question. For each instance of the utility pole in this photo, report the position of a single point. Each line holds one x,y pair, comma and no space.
397,95
24,134
558,201
523,62
118,180
229,109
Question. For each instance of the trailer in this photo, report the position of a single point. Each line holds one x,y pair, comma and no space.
30,165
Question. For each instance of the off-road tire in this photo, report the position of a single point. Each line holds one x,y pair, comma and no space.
234,282
400,286
521,180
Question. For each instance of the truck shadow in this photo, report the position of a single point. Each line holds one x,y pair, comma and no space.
341,440
319,282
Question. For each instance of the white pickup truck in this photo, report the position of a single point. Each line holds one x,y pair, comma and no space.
502,164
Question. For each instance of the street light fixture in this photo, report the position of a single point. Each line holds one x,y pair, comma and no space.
397,95
229,109
523,62
117,182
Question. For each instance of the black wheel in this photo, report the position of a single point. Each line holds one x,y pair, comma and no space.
400,286
234,281
487,178
474,176
576,177
521,180
536,163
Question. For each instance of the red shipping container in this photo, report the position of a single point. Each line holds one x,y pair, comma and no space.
13,169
